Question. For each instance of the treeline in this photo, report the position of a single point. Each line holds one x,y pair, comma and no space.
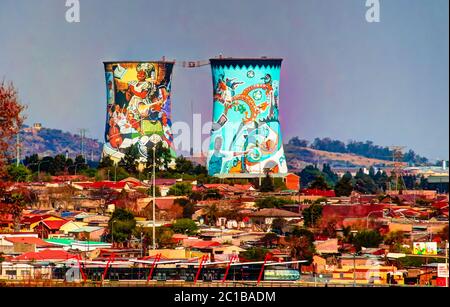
366,149
373,182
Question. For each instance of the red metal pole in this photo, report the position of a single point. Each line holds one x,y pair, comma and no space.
157,258
81,269
228,267
262,268
204,258
111,259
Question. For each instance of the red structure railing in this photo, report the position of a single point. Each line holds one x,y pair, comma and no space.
204,259
155,261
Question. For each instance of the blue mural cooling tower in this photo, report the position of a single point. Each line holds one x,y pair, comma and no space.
246,134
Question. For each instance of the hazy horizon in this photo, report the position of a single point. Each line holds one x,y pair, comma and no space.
344,78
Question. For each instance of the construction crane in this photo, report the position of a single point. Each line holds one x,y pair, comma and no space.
194,64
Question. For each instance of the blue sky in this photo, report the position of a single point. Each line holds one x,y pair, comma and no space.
341,76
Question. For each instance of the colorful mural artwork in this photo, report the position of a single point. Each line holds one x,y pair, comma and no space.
138,107
246,135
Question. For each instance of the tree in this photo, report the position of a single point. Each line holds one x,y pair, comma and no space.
185,226
157,191
183,165
105,162
162,158
272,202
267,184
121,225
15,201
367,238
344,186
11,120
269,239
254,254
187,205
129,161
312,214
308,174
278,224
301,244
18,173
180,189
295,141
364,183
319,183
330,177
211,213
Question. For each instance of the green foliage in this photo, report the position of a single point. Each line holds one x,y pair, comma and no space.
121,225
330,177
18,173
365,184
319,183
89,172
344,186
187,205
278,224
312,215
157,191
185,226
301,244
255,254
267,184
269,239
129,161
180,189
272,202
279,184
295,141
162,158
367,238
308,174
105,162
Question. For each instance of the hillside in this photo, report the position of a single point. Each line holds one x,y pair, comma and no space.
50,142
298,157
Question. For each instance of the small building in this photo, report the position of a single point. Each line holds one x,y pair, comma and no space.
48,227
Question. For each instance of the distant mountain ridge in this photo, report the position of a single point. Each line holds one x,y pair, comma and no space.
51,142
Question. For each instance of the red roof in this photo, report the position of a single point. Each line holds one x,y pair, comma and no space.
34,218
6,218
317,192
28,240
54,225
108,184
201,243
45,255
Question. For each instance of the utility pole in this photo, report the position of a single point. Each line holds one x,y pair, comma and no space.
82,135
18,148
397,156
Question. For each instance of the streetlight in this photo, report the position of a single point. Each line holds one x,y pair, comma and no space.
39,166
76,165
154,201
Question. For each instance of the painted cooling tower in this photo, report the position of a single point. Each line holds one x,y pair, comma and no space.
246,135
138,107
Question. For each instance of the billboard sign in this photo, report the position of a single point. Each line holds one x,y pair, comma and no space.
425,248
442,270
